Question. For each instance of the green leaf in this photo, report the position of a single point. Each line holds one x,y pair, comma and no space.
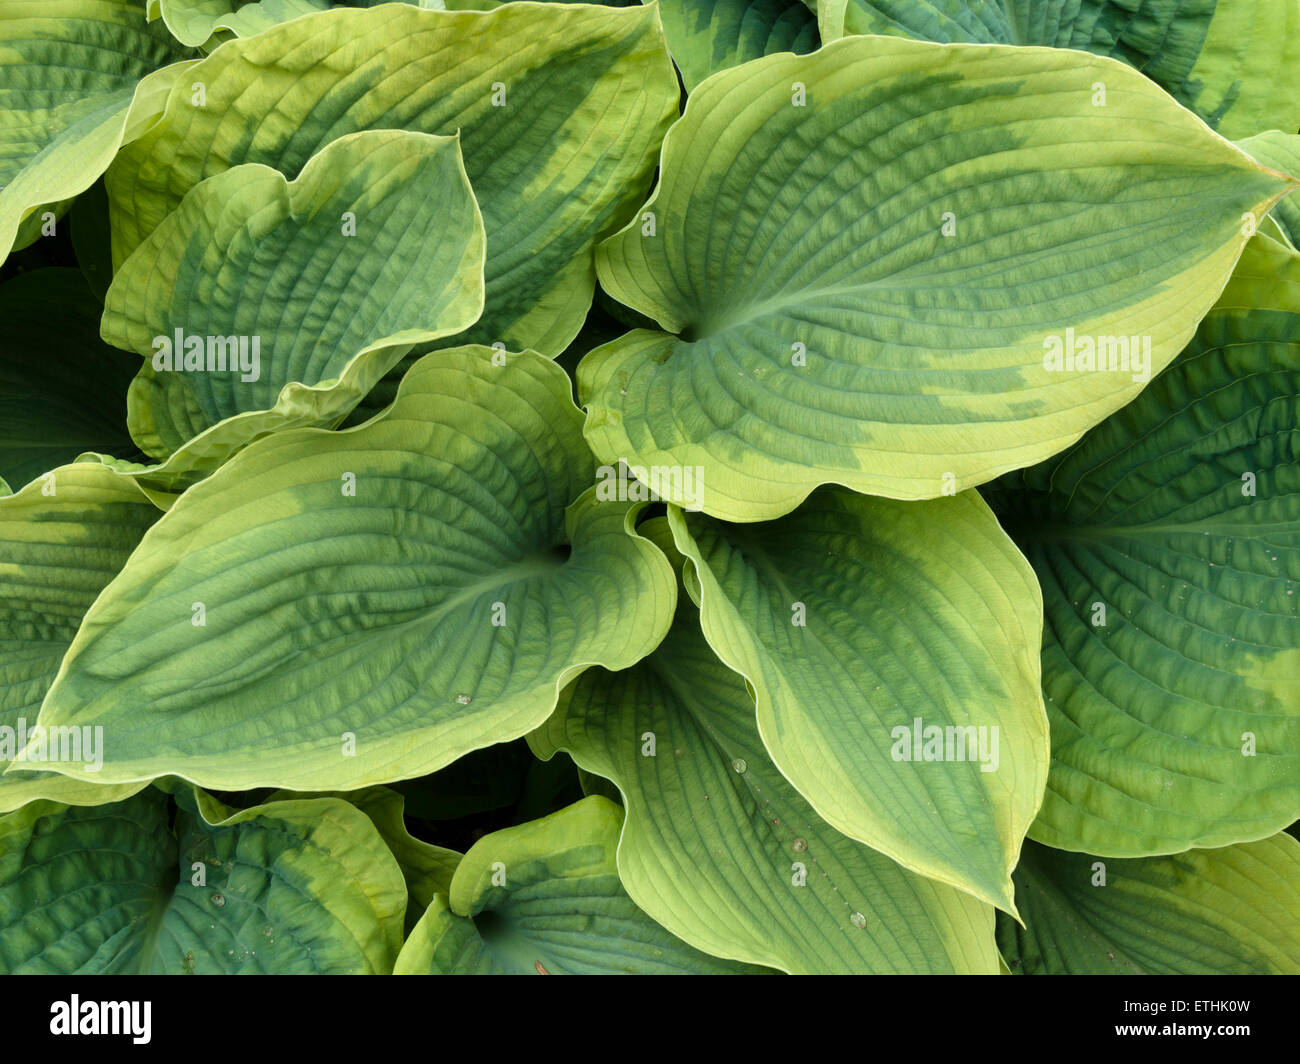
892,651
1281,151
1236,63
77,83
298,295
1167,543
296,887
1229,911
544,898
560,111
40,223
705,36
54,408
426,868
192,22
1270,227
375,603
62,539
722,850
830,332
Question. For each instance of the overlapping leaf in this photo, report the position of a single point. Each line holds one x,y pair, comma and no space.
196,21
1281,151
723,851
705,36
520,894
332,610
193,22
263,304
293,887
1236,63
62,539
892,651
426,868
560,111
1230,911
76,83
869,252
1167,543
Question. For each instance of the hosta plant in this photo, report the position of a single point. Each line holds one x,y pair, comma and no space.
733,487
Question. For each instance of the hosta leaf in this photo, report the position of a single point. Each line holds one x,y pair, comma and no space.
705,36
43,222
544,898
300,294
1230,911
192,22
76,83
374,603
1266,278
62,389
143,475
426,868
1236,63
1270,227
1281,151
62,538
830,332
582,97
1167,542
492,5
299,887
723,851
867,627
195,21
